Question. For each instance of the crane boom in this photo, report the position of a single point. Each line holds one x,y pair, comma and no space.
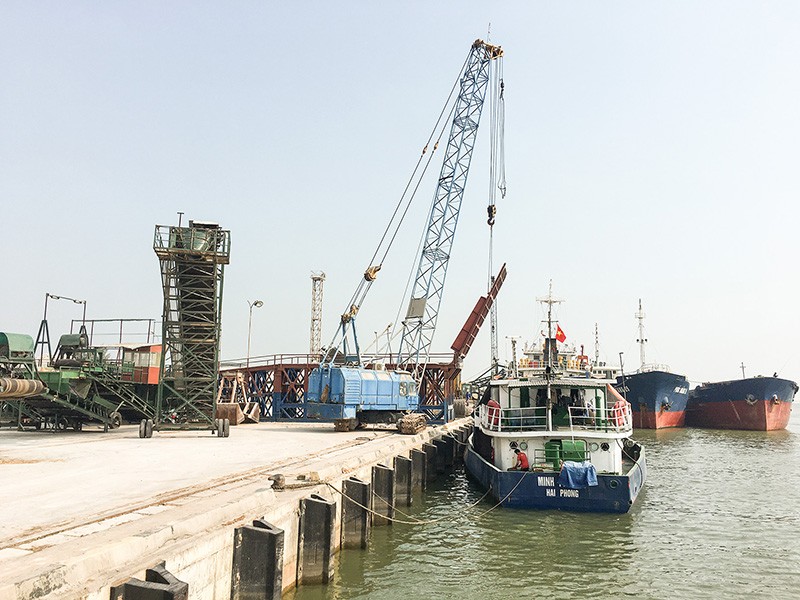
423,309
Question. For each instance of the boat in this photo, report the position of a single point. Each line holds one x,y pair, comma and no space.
657,396
751,403
574,431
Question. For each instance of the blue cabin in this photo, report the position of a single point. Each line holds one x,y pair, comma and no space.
345,392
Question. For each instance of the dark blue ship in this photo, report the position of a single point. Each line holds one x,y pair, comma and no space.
657,397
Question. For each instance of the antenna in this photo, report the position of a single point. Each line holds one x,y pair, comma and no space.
642,340
741,366
514,365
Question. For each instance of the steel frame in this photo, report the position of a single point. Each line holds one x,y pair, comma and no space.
192,263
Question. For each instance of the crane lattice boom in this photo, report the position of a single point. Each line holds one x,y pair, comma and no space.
423,310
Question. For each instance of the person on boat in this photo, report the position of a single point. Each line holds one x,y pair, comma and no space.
522,461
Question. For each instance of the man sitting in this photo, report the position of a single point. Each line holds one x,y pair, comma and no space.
522,461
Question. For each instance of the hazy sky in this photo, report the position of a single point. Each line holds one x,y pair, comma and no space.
652,152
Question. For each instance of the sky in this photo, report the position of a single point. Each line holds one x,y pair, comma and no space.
651,152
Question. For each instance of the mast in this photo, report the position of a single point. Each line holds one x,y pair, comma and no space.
596,345
642,340
550,301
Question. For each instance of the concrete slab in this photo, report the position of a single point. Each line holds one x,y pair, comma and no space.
58,481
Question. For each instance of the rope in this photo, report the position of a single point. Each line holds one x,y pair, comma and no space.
483,514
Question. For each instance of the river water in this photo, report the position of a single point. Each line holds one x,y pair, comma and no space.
719,518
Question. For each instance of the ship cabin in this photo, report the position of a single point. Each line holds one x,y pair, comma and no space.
553,419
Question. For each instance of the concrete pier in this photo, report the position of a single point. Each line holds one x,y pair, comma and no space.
87,511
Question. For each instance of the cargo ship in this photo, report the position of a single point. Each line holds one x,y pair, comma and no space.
753,403
555,439
657,396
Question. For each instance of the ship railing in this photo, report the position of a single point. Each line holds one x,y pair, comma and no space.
608,419
493,418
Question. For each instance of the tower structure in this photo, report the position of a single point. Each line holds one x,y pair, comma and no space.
192,263
317,280
642,340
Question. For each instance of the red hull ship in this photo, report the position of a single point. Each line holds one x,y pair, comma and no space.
755,403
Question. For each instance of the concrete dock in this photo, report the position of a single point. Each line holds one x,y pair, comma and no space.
82,512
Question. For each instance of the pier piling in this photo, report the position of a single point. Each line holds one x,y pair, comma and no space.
418,470
355,519
315,544
257,572
382,495
159,583
430,461
403,468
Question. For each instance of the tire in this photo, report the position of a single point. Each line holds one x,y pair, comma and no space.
220,427
226,427
148,428
116,420
143,428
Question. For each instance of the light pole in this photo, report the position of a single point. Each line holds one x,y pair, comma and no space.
253,304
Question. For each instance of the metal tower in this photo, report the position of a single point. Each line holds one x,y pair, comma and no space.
192,261
317,280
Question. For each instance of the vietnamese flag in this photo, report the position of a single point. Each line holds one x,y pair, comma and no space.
560,335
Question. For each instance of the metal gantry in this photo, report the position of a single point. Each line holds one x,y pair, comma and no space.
423,311
192,262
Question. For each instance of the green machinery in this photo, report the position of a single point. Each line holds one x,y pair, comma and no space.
80,385
192,263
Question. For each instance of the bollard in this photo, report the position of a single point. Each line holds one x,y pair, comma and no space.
441,455
402,481
355,519
257,572
159,584
418,470
315,540
430,461
382,495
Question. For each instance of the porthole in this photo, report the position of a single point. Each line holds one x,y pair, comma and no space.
594,446
613,484
523,445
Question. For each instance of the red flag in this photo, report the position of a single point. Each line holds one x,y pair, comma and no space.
560,335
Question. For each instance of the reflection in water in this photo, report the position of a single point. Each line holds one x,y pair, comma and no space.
718,518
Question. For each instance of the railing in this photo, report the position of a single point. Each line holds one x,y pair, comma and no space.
616,418
512,419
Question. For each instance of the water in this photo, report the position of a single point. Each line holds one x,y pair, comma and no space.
718,518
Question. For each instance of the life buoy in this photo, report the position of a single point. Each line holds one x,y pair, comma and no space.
619,413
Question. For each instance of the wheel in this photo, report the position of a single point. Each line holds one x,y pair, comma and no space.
219,425
116,420
143,428
77,425
148,428
226,427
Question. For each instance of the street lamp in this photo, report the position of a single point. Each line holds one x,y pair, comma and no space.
253,304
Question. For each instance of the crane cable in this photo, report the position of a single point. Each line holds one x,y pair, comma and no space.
497,181
366,281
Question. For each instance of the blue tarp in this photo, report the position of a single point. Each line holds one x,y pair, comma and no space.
577,474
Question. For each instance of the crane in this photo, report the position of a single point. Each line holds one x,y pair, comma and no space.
341,388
